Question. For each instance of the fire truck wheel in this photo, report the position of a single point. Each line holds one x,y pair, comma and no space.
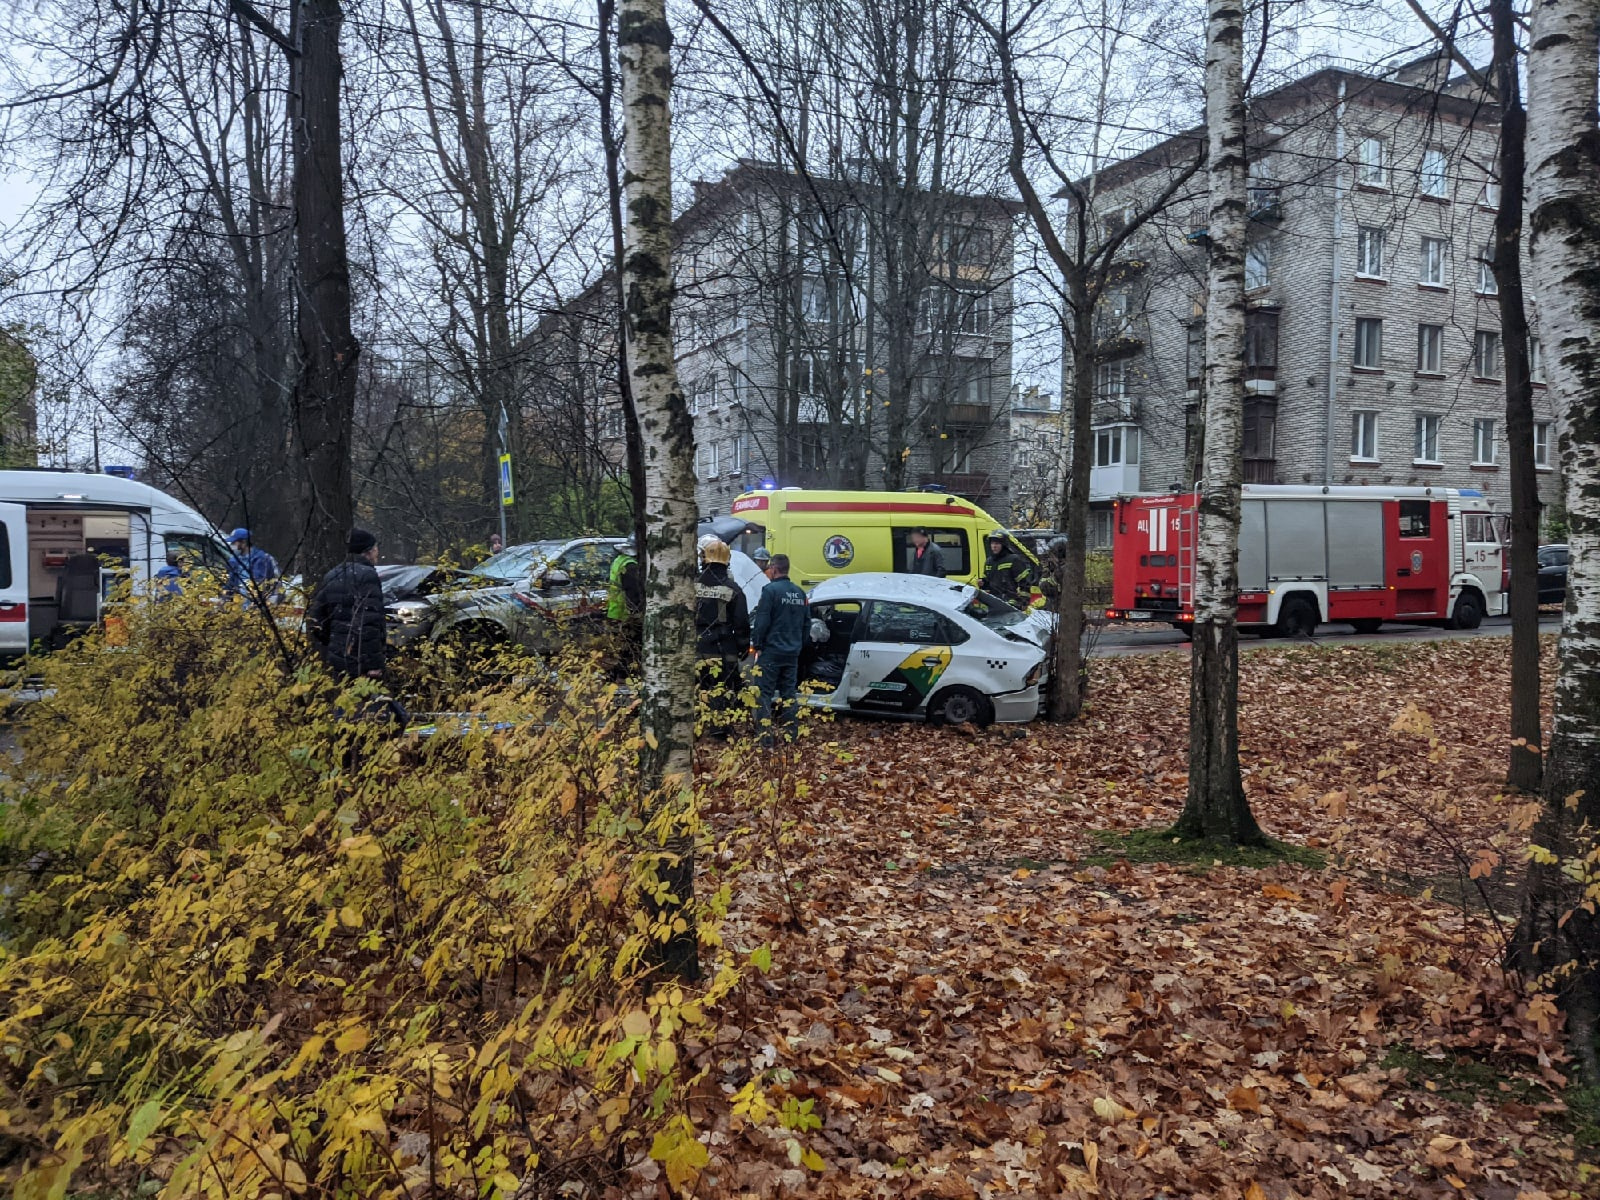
1297,617
960,706
1468,612
1367,625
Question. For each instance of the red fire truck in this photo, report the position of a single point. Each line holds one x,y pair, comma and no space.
1359,555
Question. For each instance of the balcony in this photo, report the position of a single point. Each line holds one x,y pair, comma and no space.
1117,343
958,416
1265,204
1261,470
1112,410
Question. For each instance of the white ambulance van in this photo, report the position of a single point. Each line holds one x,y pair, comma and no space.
66,538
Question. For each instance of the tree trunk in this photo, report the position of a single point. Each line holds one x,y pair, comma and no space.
1526,763
666,713
1067,671
1555,934
325,391
1216,806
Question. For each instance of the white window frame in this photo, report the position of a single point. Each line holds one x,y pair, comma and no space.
1364,436
1483,439
1425,438
1491,194
1257,266
1367,356
1487,284
974,313
1369,252
1434,177
1439,261
1535,359
1427,334
1372,162
1541,444
1481,339
1121,446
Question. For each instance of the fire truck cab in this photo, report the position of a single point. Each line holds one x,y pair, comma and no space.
1307,555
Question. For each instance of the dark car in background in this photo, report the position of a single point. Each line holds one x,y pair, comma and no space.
1553,560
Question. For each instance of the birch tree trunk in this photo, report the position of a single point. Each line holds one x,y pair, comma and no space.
1216,806
666,714
1526,762
1557,941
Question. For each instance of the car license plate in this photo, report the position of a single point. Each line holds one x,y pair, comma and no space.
1139,616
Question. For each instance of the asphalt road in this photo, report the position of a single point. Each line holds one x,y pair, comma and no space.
1120,640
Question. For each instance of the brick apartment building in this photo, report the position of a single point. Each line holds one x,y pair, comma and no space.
1373,349
825,331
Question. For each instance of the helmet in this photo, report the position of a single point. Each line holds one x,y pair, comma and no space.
717,552
997,535
239,535
707,541
1057,545
761,556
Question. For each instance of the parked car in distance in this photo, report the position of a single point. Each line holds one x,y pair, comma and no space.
1553,560
913,646
558,582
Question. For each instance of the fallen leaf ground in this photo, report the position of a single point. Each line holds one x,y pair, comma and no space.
988,998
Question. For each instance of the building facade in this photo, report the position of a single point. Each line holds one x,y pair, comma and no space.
1373,347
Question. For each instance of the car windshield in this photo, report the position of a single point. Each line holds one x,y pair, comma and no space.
516,562
992,611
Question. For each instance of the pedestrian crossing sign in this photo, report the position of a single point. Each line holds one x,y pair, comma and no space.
507,495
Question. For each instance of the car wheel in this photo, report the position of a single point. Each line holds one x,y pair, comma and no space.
961,706
1468,612
1297,617
1368,624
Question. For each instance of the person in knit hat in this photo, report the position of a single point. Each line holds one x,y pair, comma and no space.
346,619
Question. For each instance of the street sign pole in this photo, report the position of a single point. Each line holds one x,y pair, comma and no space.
507,492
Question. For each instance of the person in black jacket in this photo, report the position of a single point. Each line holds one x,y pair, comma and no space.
722,626
926,557
346,619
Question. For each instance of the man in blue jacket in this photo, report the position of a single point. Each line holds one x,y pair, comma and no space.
777,632
251,570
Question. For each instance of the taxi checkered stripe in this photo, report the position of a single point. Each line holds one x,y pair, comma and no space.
998,664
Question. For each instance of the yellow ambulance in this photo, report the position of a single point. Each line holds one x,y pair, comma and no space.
827,533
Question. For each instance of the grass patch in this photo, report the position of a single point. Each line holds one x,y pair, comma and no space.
1158,846
1466,1080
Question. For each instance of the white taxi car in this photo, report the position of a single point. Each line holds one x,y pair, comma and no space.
912,645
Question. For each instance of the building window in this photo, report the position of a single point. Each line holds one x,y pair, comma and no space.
1111,382
1541,445
1369,251
1117,446
816,305
1435,174
1373,162
1434,261
1196,351
1100,529
612,425
1430,349
1364,436
1257,265
954,452
972,312
1369,343
1427,444
1260,429
1491,193
1261,344
736,463
1483,445
1535,360
1486,281
1486,354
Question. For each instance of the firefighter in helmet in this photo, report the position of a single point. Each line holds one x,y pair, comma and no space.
1008,573
722,628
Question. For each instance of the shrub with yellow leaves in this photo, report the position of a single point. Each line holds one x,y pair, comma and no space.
256,943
